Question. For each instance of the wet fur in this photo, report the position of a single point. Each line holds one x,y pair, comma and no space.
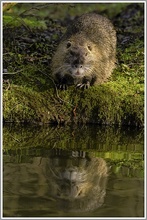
88,47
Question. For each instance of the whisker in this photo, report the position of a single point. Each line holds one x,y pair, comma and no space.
62,69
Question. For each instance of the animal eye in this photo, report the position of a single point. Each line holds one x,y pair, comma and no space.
68,44
89,48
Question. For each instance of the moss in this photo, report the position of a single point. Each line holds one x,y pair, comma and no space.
95,105
30,95
97,139
13,21
56,10
122,149
28,105
15,107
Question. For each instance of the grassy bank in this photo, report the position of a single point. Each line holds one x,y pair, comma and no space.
29,94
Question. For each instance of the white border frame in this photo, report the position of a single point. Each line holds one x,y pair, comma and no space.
1,101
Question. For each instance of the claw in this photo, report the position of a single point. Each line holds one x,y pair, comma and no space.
62,86
83,85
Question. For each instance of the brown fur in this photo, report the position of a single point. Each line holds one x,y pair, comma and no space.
77,184
86,53
59,183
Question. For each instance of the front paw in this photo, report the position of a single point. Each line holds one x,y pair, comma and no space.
62,86
83,85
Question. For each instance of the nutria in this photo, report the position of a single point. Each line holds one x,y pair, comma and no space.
76,184
86,54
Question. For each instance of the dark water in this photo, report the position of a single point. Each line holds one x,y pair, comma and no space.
66,171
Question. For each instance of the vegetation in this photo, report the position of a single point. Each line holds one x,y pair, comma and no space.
31,32
121,148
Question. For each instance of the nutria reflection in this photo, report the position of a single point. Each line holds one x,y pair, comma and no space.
60,182
77,183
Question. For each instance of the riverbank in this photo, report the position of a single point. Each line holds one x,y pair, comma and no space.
29,94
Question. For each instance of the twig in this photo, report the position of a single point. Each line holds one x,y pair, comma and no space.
19,71
57,94
15,139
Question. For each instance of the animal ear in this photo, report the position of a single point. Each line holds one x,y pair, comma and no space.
68,44
89,47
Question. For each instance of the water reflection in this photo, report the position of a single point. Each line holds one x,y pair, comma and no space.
68,181
77,181
102,179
